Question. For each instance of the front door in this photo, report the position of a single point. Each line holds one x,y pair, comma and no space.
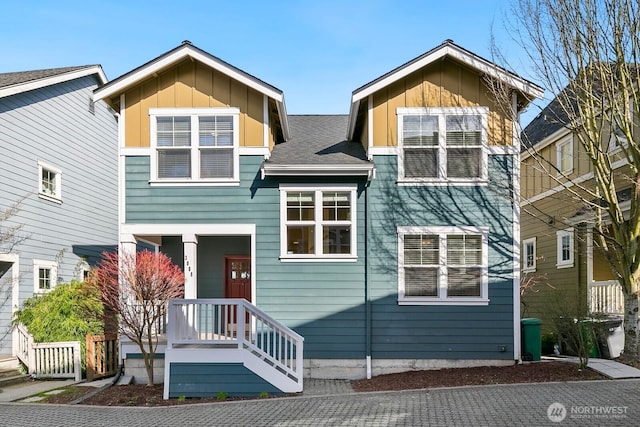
237,284
237,277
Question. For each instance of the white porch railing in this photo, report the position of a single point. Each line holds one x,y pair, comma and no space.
606,297
52,360
236,324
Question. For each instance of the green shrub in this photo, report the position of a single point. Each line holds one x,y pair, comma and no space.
68,313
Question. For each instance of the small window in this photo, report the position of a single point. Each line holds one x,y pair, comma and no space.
564,153
318,223
442,265
529,254
442,144
45,275
565,248
49,182
617,139
195,145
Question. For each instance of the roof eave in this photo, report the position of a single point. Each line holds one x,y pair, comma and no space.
317,170
49,81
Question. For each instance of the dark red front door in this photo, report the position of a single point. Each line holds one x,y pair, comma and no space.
237,280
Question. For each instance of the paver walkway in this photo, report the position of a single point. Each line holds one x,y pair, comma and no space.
583,403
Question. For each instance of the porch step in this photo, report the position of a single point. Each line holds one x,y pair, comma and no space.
10,372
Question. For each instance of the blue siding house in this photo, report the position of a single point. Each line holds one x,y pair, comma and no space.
351,245
59,180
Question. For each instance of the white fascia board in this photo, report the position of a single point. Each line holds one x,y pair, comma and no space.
129,230
471,60
186,51
49,81
557,135
315,170
353,115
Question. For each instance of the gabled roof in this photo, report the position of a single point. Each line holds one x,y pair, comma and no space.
450,49
317,147
187,50
22,81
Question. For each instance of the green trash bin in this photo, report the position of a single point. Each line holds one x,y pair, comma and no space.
531,339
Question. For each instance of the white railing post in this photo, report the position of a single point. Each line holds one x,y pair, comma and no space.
77,366
240,319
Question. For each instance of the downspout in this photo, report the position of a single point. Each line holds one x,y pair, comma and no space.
367,293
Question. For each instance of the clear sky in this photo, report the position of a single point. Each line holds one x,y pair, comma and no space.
316,52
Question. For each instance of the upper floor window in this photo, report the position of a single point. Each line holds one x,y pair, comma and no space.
45,275
529,254
195,145
564,155
444,145
49,182
318,223
442,265
565,248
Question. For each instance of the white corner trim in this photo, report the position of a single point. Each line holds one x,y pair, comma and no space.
253,151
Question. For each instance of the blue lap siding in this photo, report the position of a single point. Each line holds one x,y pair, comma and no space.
431,331
322,301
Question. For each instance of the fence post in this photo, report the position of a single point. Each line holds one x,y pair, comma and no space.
77,365
90,357
31,355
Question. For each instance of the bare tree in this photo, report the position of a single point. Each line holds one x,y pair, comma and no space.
137,289
586,53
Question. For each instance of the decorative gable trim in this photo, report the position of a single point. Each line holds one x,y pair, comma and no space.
52,80
187,50
448,48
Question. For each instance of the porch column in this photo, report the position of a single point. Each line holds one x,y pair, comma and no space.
190,242
128,244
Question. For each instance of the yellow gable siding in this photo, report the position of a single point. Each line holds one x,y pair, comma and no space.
443,84
191,84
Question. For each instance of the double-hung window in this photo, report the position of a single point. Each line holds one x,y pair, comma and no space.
442,145
564,156
194,145
45,275
318,223
565,248
442,265
49,182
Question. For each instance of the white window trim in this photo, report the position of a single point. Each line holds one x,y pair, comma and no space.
567,141
37,265
483,299
194,113
443,179
559,235
529,268
58,178
286,257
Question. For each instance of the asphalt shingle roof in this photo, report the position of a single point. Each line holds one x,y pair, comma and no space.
318,140
20,77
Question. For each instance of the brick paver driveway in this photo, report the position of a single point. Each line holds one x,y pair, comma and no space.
597,403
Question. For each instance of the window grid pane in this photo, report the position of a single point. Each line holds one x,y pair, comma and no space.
566,247
300,239
421,281
300,206
44,278
421,249
216,163
336,206
48,182
336,240
174,163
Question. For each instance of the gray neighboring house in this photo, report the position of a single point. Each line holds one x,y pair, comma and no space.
59,156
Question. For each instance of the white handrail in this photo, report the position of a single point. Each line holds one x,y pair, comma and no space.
235,323
606,297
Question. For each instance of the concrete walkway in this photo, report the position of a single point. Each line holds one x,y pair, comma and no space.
608,368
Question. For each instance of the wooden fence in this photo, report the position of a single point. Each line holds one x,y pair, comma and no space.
102,356
52,359
63,360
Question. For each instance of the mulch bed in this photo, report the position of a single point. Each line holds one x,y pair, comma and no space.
142,395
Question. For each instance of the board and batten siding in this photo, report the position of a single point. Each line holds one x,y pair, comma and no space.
445,83
191,84
322,301
437,331
53,124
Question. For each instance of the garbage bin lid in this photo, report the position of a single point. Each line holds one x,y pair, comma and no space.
531,321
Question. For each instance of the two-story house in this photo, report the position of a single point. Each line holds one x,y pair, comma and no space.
387,239
559,250
59,172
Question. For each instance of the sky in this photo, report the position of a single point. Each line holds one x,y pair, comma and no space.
316,52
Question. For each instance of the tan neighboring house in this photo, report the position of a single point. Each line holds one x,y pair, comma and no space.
559,252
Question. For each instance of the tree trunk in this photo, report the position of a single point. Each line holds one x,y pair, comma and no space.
148,364
631,325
